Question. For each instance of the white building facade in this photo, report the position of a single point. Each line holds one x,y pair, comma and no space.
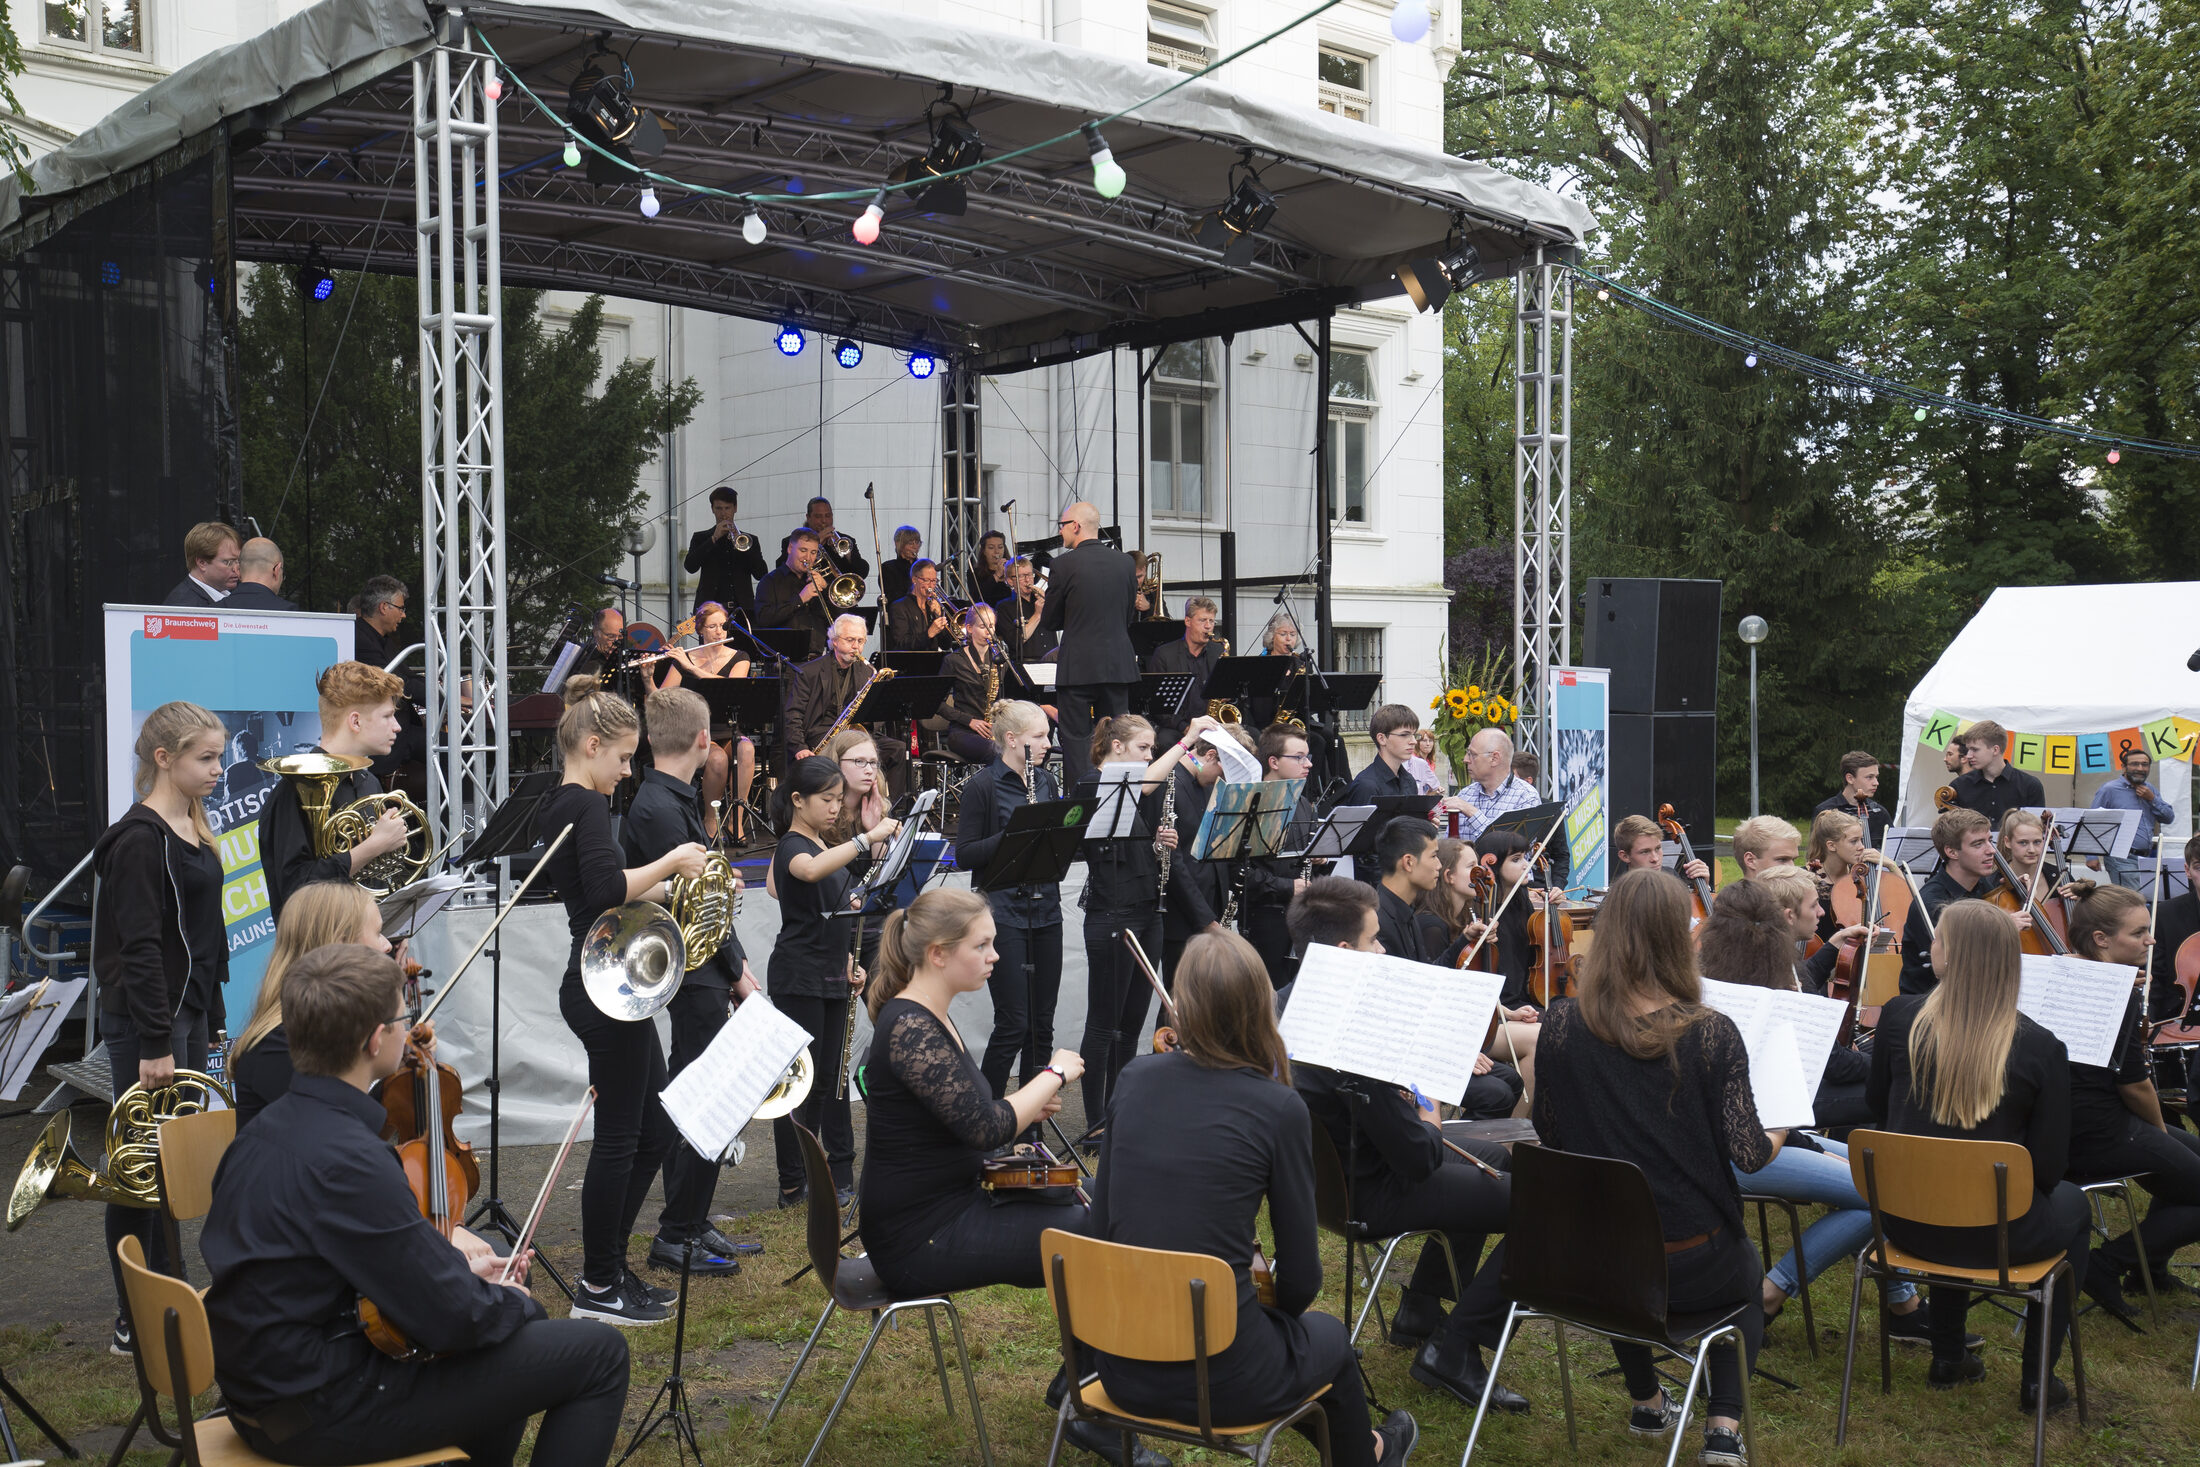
1217,440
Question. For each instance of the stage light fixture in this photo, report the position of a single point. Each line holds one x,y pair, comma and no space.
650,206
314,280
1431,282
1108,178
110,273
602,102
955,146
1232,229
922,364
848,353
866,226
789,340
752,228
1409,19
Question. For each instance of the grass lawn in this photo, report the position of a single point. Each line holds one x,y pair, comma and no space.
743,1335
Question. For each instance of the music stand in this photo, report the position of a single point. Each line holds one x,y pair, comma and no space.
1149,637
788,644
2175,883
752,706
1383,810
508,832
30,1413
1532,825
1241,680
1341,692
1913,846
905,697
1159,696
1334,836
924,662
2086,834
1234,828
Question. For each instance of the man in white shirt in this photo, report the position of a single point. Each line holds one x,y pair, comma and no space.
213,561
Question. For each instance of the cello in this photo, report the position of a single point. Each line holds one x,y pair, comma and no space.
1700,891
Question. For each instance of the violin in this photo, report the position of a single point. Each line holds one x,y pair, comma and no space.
1481,896
1026,1170
1263,1274
1550,935
419,1103
2049,933
1700,891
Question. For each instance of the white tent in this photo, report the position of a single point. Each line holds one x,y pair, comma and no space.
2063,660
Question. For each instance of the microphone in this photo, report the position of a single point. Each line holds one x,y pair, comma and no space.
621,584
1008,506
1277,599
2192,663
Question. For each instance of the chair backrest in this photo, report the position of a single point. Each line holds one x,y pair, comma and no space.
1882,979
1585,1242
1332,1190
1941,1180
151,1296
191,1148
1137,1303
824,1218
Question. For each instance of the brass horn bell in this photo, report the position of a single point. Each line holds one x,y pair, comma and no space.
129,1175
633,960
337,830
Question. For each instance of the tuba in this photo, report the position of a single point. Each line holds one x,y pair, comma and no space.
633,960
335,831
129,1175
704,907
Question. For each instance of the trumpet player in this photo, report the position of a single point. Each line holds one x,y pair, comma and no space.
727,560
663,818
160,946
837,553
921,621
358,720
793,596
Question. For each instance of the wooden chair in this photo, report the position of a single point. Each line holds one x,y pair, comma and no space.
1586,1248
1955,1184
175,1359
1333,1211
1145,1304
190,1151
853,1284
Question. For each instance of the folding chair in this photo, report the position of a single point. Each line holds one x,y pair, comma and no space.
1333,1211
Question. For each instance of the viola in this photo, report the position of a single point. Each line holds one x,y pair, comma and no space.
1263,1274
1026,1170
419,1104
1550,935
1700,891
2049,934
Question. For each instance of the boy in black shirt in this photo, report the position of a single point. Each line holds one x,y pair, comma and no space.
1966,845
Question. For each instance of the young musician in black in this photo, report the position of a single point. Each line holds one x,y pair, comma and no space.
989,578
974,666
1197,1140
724,572
811,977
1271,883
626,1064
1990,784
359,719
1027,919
1859,782
320,914
160,945
311,1213
1965,841
664,818
1635,1066
1199,891
1405,853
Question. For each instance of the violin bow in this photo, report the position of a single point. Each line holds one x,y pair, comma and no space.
1168,1005
1535,854
542,1198
460,971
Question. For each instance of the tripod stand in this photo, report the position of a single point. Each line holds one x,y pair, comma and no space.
669,1407
7,1437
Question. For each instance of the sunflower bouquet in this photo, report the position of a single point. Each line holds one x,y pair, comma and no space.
1470,702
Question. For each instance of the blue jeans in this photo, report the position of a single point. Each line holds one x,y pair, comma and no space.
1805,1176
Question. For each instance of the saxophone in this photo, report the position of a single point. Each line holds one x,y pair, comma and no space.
878,675
1168,823
992,678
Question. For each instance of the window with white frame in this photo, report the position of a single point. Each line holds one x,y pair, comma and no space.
1351,432
1360,649
1347,84
1176,432
1179,37
117,26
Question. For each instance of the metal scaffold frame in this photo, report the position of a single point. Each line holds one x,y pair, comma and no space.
461,433
1543,477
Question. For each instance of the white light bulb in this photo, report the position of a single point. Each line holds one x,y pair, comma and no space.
1409,19
752,228
649,202
1750,360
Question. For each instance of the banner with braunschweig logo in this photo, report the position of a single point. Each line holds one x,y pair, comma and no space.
256,671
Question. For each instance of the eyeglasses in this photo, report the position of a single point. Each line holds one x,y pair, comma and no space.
1301,758
395,1023
862,763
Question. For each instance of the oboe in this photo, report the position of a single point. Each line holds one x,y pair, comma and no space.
1167,823
848,1039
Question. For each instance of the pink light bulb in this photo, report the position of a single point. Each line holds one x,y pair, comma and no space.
866,226
2115,455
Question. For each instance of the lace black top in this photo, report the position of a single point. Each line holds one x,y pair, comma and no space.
929,1118
1683,1119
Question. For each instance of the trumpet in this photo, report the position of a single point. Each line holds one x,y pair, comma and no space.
336,831
743,541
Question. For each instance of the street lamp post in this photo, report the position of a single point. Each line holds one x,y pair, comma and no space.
1753,630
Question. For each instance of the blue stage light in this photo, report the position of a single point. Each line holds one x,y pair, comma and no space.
922,364
848,353
110,273
789,340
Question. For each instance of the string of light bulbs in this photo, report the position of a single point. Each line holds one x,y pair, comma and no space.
1758,350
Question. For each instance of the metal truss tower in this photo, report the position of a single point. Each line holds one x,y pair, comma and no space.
1543,475
461,432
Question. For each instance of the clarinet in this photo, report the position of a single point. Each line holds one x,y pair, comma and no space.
1168,823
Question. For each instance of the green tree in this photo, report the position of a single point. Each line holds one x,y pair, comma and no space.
348,507
12,152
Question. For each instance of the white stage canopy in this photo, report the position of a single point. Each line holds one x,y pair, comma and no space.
2063,660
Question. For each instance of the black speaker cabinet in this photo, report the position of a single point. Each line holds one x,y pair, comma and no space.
1659,638
1671,759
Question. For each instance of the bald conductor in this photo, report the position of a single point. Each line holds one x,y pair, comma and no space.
1093,598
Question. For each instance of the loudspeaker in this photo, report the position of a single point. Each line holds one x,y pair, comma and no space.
1671,759
1661,641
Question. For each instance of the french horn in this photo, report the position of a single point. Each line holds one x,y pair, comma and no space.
337,830
704,907
129,1174
633,961
793,1088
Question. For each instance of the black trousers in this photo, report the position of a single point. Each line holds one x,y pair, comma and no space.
2058,1222
989,1242
971,748
572,1371
1264,928
187,1042
1715,1275
1466,1204
626,1064
1492,1097
698,1012
1079,708
828,1119
2171,1161
1025,984
1116,999
1322,1355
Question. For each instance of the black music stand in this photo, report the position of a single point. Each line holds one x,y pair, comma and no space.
672,1394
1158,697
1370,833
905,697
1531,825
1243,680
788,644
30,1413
1340,692
1149,637
924,662
509,832
1242,835
1041,842
752,705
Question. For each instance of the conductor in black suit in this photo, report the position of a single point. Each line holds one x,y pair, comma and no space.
1093,596
725,573
212,563
794,594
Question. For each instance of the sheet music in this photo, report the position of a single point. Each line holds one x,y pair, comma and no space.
2079,1001
1414,1025
1238,767
888,871
1778,1074
1120,788
2087,832
1913,846
409,908
30,1017
561,666
715,1096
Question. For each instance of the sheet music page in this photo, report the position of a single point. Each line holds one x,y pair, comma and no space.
1117,815
410,908
1238,767
30,1017
1414,1025
904,843
714,1097
1812,1025
2079,1001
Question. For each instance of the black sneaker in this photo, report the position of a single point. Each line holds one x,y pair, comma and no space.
123,1342
730,1245
1722,1448
1400,1434
1913,1329
2058,1394
799,1197
707,1263
1654,1421
648,1291
620,1304
1946,1375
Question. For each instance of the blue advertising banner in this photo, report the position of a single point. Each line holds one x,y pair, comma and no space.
256,671
1580,706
